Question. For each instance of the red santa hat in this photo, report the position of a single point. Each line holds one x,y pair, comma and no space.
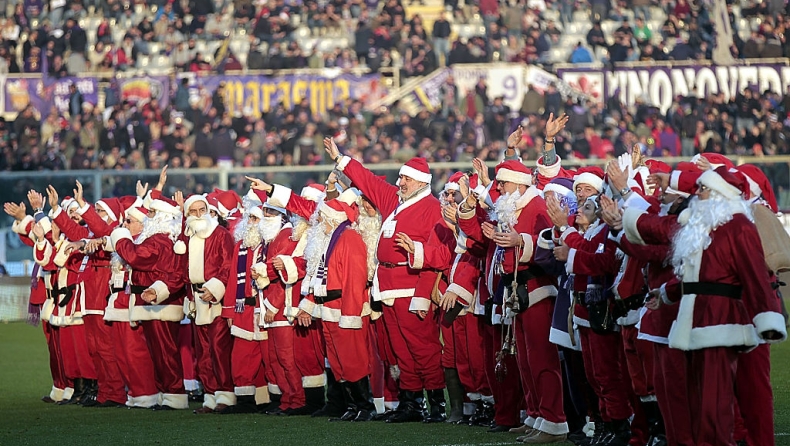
130,202
656,166
549,171
591,175
759,186
475,185
729,184
212,201
195,198
253,197
453,182
112,206
227,202
716,160
160,203
338,211
138,213
349,196
256,211
68,203
514,171
683,179
313,192
417,169
269,205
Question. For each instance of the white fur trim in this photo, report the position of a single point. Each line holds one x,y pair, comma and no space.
197,259
636,201
419,304
350,322
216,287
514,177
270,307
257,335
68,392
119,234
527,249
451,186
530,422
330,314
674,180
546,242
226,398
162,293
567,232
349,196
274,389
56,394
770,320
569,262
714,181
563,339
616,238
262,395
290,275
379,403
540,293
209,401
170,313
552,428
307,306
179,247
46,225
20,227
176,401
312,194
462,292
135,214
144,401
479,190
314,381
244,390
630,219
165,207
281,196
417,260
261,269
53,213
549,171
558,189
662,290
45,248
415,174
343,163
102,204
588,178
333,214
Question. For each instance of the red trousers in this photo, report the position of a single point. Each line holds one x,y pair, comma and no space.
186,347
449,351
52,335
508,395
416,345
247,365
469,354
283,367
376,364
310,351
135,364
383,349
162,340
755,396
670,378
639,357
712,395
539,363
100,346
347,351
213,346
603,364
77,362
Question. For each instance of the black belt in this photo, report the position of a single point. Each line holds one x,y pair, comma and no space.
196,287
524,276
133,289
391,265
712,289
330,296
68,292
249,301
114,290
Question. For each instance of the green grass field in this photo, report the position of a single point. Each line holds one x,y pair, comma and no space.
25,420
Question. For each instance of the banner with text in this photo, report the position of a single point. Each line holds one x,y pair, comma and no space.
46,92
659,86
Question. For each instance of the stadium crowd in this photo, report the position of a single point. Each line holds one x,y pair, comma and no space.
634,305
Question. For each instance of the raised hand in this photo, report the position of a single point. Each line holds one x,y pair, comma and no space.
450,212
258,184
35,199
488,230
482,171
703,164
179,198
557,212
331,148
78,195
514,140
140,189
38,231
617,177
554,126
405,242
507,239
162,179
52,197
463,185
15,210
659,179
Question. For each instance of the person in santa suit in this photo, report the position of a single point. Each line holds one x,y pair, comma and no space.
719,264
209,251
224,206
157,291
342,294
62,389
408,318
549,164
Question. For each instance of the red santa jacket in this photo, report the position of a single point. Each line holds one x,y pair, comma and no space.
734,258
279,297
247,324
154,266
210,255
66,303
347,301
547,173
38,290
394,278
431,258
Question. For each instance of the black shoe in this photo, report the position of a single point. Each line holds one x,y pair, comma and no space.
314,400
364,415
382,416
275,411
47,399
328,411
196,396
90,400
621,434
159,407
499,429
304,410
438,413
661,440
244,404
483,416
349,415
579,438
407,413
110,403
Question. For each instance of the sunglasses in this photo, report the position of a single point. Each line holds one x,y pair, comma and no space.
702,188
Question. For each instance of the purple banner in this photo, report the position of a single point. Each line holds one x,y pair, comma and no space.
260,94
659,85
46,92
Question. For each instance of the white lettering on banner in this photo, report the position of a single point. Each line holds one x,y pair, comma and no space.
506,81
660,86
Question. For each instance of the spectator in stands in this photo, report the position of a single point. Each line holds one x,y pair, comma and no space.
441,35
595,37
580,54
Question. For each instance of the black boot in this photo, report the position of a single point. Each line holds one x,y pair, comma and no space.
351,406
244,404
273,408
438,404
602,431
313,402
80,386
484,414
411,407
90,398
363,398
457,393
335,405
621,433
655,424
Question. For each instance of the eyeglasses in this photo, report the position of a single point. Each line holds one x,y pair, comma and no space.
128,221
702,188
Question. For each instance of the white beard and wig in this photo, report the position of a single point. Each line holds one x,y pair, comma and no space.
247,233
314,250
505,210
160,223
404,197
369,227
199,226
270,227
697,222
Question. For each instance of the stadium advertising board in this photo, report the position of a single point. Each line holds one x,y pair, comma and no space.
660,85
45,92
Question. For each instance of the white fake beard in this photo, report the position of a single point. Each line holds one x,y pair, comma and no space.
704,216
317,243
369,228
117,264
247,233
198,225
270,227
161,223
300,227
506,208
404,197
